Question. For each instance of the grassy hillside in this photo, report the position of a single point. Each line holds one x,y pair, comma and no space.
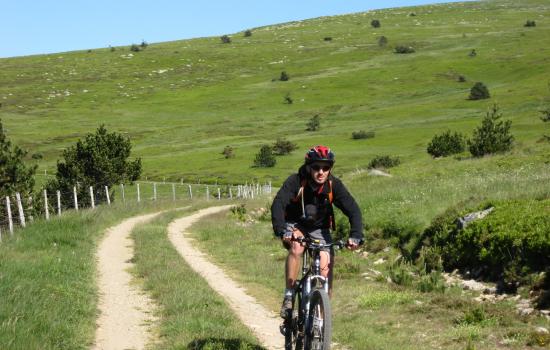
181,102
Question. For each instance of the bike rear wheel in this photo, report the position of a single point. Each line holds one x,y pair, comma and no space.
319,331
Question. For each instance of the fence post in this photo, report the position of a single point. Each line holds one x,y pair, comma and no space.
20,209
8,206
174,192
122,193
46,206
58,203
190,192
230,193
75,198
107,195
154,191
219,194
181,181
138,196
30,208
92,197
207,193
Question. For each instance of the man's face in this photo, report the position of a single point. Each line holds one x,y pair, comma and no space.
320,172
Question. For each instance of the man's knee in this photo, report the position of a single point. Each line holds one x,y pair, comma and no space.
296,249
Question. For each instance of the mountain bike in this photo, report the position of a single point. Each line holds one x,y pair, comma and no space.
310,326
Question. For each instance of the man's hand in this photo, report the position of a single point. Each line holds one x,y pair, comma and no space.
294,234
353,243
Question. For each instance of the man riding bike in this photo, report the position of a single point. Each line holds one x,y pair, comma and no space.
303,207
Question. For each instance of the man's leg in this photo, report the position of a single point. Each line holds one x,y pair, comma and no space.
293,263
326,269
292,268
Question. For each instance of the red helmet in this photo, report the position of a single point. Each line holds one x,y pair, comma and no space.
319,154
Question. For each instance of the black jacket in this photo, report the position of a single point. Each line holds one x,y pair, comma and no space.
317,205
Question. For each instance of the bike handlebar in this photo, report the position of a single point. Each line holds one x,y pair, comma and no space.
315,243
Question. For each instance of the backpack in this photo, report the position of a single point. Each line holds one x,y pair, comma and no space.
300,196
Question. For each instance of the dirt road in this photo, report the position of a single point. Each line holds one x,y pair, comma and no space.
125,311
264,323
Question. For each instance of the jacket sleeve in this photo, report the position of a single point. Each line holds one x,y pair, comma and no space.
282,199
346,203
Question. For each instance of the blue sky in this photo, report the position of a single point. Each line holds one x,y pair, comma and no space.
44,26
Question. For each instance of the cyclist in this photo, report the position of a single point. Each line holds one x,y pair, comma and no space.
303,207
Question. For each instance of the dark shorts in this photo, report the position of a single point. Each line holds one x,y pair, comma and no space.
322,234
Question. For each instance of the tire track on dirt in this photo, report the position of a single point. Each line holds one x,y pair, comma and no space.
264,323
125,311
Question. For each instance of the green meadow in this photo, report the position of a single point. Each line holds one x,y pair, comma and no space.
182,102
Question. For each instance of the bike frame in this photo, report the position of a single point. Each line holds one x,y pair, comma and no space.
311,273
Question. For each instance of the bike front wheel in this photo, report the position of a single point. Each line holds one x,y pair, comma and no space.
319,325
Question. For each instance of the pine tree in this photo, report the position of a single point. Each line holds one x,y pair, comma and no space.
493,136
15,176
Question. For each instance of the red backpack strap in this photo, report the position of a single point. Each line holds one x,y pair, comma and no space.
330,195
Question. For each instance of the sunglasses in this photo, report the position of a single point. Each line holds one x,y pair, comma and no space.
317,167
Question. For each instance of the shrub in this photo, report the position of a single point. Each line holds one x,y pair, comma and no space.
493,136
112,48
505,246
430,259
239,211
402,49
375,23
446,144
382,41
143,44
400,274
530,23
381,162
135,48
314,123
472,316
101,159
15,176
479,92
225,39
288,99
327,38
473,53
37,156
247,33
284,76
282,147
361,134
545,115
461,79
431,282
228,152
265,157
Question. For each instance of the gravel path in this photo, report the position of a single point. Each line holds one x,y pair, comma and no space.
125,310
264,323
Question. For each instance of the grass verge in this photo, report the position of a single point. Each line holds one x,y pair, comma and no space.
192,316
48,287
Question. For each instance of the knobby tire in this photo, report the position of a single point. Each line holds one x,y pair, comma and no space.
319,333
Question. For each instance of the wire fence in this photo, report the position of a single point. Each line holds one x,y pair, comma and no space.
17,211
